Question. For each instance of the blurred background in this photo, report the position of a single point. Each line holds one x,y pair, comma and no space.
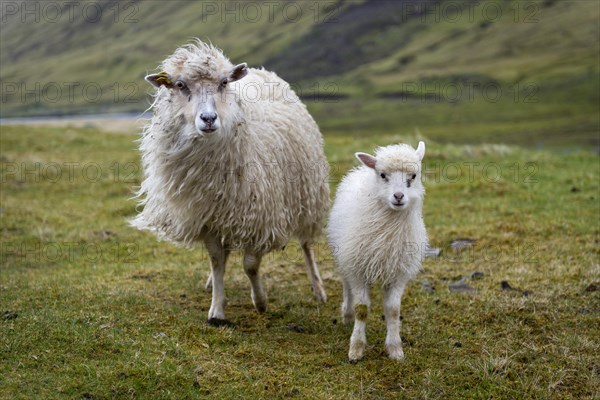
514,72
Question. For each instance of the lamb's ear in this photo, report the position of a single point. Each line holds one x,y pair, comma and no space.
238,72
421,150
160,79
366,159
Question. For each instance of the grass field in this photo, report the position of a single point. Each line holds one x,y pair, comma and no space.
92,309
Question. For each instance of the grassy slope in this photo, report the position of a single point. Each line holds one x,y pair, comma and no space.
546,52
102,311
106,51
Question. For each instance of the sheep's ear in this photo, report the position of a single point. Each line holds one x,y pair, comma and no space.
421,150
238,72
160,79
366,159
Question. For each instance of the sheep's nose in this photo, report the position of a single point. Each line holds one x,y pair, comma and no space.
398,195
208,118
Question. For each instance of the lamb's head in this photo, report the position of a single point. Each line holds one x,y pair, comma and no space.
396,175
195,79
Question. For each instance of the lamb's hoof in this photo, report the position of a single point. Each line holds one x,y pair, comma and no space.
395,354
219,322
354,358
356,352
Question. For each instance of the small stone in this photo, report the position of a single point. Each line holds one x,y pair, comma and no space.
9,315
506,286
461,287
593,287
459,244
295,328
476,275
432,252
427,286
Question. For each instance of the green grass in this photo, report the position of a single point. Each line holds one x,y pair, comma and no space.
91,308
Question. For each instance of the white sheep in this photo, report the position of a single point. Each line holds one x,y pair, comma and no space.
377,234
234,163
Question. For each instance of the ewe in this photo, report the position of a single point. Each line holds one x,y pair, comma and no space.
234,163
376,233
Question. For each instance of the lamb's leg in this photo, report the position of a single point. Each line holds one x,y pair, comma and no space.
362,304
313,272
218,258
251,266
347,305
392,296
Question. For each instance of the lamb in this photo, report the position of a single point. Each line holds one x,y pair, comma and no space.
377,234
231,159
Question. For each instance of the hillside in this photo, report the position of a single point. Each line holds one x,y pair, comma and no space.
520,72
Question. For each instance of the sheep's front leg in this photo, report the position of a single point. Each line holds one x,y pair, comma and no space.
392,296
218,258
251,266
313,272
362,304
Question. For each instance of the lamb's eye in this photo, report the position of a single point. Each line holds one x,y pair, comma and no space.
413,177
223,83
383,176
180,84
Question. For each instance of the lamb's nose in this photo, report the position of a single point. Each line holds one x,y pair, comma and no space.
398,195
208,118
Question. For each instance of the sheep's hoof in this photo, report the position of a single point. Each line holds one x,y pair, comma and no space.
260,308
219,322
320,295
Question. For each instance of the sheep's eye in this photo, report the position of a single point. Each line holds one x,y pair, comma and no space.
223,83
413,176
180,84
383,176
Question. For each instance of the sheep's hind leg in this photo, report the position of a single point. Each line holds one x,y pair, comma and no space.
362,304
347,304
208,284
313,272
218,258
392,296
251,266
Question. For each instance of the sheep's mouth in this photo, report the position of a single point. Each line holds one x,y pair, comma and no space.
208,130
398,205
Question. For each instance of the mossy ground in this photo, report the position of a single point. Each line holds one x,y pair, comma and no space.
91,308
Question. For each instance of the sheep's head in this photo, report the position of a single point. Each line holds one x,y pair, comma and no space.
196,78
396,174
